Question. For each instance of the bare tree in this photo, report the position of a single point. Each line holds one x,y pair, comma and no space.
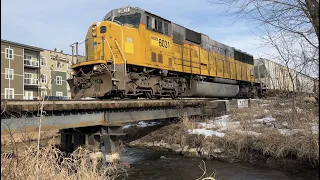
290,27
296,20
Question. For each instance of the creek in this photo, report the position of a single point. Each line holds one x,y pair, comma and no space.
151,164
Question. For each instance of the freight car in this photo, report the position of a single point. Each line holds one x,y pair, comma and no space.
279,79
133,53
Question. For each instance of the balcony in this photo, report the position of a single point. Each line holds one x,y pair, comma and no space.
31,82
31,63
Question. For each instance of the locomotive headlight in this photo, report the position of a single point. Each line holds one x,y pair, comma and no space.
94,33
96,67
94,27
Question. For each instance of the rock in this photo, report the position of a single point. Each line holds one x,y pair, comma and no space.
204,153
149,144
310,99
163,157
157,144
218,150
185,147
163,144
192,152
176,148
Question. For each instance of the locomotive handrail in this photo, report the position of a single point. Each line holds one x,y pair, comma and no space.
113,57
124,58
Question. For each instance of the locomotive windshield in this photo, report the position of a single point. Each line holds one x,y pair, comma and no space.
132,19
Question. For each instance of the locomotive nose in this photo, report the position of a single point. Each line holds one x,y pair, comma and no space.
93,86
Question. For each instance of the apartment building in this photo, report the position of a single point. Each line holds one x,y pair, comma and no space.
29,72
20,71
55,70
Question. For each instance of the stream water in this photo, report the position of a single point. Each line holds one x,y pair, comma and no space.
150,164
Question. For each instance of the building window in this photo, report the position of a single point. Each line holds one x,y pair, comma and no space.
9,73
59,80
27,75
8,93
43,78
9,53
59,65
43,61
27,57
43,93
59,93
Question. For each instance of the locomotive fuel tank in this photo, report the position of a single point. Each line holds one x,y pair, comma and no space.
212,90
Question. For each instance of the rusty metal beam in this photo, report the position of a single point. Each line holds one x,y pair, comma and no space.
66,105
62,120
117,116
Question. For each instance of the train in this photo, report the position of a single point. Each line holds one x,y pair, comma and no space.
279,79
134,53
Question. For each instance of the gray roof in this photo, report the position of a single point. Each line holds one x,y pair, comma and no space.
22,45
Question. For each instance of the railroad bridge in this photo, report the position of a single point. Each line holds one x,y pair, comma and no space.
93,122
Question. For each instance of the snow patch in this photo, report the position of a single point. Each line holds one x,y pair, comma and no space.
141,124
315,128
265,120
206,132
222,123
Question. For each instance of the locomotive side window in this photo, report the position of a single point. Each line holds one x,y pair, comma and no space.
153,57
149,22
158,26
103,29
160,58
166,29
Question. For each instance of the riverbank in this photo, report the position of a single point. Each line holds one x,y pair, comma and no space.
276,134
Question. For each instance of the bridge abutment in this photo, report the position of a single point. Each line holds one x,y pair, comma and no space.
95,138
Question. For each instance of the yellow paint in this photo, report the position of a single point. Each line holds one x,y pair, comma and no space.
143,42
129,48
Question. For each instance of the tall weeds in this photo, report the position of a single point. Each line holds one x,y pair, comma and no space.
54,165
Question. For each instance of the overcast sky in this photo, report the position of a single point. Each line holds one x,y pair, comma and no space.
59,23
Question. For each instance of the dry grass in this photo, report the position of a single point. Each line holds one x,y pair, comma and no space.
303,144
52,165
19,137
264,138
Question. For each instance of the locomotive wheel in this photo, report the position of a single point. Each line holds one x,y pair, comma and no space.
148,94
173,95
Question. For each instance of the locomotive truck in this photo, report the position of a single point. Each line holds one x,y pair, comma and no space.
133,53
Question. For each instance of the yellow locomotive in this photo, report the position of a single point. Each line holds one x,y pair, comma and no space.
134,53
